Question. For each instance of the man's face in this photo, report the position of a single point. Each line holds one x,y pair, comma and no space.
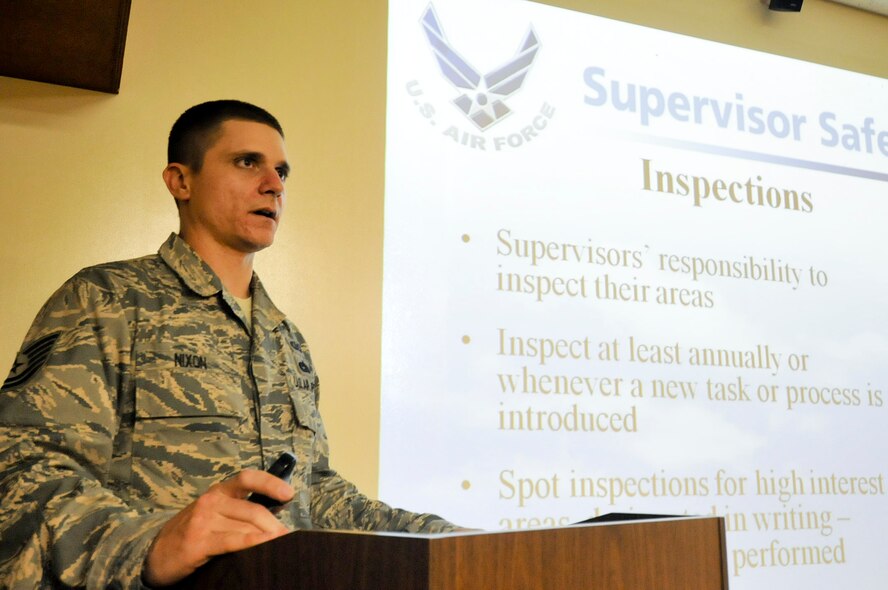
237,199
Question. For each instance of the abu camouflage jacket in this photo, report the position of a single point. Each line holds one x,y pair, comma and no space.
138,386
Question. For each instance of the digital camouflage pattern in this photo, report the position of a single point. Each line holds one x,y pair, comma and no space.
139,385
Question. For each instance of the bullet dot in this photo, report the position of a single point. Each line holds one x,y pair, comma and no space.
466,339
466,484
466,238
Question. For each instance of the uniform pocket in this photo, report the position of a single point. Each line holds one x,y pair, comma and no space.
190,416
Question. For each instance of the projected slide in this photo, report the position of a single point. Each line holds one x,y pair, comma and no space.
631,271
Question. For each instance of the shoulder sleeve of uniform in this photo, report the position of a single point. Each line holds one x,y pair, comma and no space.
80,313
58,419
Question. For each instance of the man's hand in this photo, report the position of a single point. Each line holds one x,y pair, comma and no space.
219,521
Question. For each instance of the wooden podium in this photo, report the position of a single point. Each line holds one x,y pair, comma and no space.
661,554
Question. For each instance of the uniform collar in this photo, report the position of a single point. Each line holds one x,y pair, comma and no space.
193,271
201,279
265,313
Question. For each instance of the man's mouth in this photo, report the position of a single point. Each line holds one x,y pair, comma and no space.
269,213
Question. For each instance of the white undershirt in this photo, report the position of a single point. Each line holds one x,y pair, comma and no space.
246,306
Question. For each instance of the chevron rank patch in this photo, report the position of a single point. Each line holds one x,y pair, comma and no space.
30,360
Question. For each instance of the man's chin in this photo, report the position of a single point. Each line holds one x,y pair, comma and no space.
254,247
248,247
253,244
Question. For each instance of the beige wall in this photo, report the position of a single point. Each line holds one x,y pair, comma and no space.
81,170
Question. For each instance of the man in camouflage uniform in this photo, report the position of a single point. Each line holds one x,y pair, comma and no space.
149,394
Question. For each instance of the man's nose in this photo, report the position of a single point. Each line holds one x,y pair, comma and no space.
272,183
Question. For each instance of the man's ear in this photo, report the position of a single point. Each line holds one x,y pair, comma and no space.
177,179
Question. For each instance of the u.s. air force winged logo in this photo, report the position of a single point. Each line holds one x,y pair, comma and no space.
483,96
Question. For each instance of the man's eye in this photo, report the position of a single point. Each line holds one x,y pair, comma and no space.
246,162
282,173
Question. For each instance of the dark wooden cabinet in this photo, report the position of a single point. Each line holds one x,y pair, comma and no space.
76,43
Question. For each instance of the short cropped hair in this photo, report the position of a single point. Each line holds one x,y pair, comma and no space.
195,131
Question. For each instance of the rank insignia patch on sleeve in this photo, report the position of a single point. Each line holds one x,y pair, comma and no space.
30,360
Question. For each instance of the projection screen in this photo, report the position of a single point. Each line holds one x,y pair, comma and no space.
631,271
